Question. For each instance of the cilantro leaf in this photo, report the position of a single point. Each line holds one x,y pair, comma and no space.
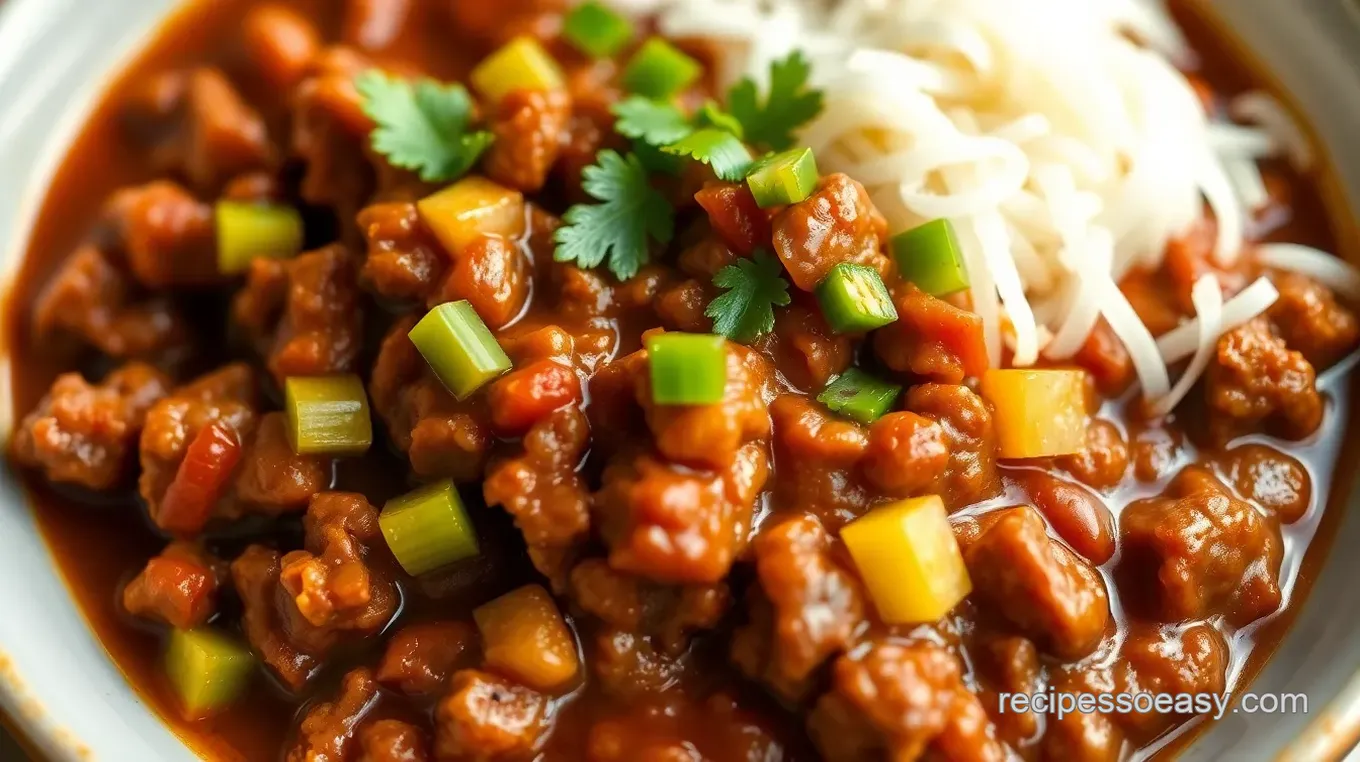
650,121
618,229
790,105
656,161
712,115
716,148
422,125
755,287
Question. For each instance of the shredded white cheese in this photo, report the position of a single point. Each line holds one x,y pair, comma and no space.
1332,271
1057,135
1207,296
1182,341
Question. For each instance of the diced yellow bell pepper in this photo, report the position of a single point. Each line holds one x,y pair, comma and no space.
469,208
521,64
208,670
1037,413
909,560
525,637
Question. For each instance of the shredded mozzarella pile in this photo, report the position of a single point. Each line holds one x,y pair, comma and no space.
1065,152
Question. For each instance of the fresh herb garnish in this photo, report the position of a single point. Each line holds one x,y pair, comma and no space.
755,287
791,104
716,148
712,115
656,161
422,125
619,229
656,123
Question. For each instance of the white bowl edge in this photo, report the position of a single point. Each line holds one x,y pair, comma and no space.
75,705
56,680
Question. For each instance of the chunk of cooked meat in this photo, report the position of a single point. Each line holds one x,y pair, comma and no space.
1255,378
178,587
91,299
327,730
420,657
1197,550
332,587
84,434
490,718
303,314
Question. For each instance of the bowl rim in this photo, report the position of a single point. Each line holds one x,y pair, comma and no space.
1329,735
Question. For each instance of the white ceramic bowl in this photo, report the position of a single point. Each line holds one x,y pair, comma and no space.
56,680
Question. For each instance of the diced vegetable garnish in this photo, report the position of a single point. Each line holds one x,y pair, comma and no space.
327,415
784,178
471,207
854,299
208,671
909,560
929,256
859,396
521,64
422,125
735,217
687,368
596,30
525,637
1037,413
201,479
659,70
428,528
531,393
247,231
459,347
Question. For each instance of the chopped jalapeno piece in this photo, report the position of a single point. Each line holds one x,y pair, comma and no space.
521,64
784,178
247,231
687,368
428,528
929,256
659,70
854,299
596,30
207,669
858,395
327,414
459,347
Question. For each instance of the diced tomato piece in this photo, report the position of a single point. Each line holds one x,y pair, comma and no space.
526,396
735,216
937,321
200,481
1106,359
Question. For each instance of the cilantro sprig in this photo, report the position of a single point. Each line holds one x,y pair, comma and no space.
619,230
656,123
422,126
755,287
716,148
714,136
790,104
632,215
